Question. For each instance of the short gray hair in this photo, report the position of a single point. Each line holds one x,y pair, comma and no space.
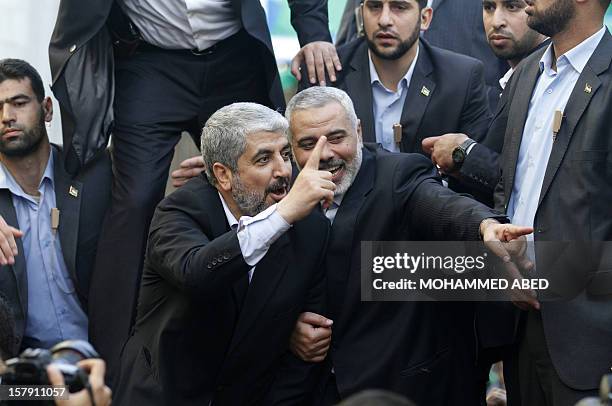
320,96
224,136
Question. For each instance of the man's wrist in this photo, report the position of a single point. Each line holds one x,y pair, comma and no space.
484,224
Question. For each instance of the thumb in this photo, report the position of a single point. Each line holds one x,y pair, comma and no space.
54,375
315,156
16,232
428,143
315,319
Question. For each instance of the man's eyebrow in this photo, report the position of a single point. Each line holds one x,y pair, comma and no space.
18,97
336,132
261,152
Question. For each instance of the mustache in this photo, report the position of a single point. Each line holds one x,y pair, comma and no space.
386,32
501,32
278,185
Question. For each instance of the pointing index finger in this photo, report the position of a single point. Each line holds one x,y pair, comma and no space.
315,156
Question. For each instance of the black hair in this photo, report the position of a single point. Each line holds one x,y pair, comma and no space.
19,69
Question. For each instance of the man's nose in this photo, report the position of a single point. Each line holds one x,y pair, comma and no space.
8,114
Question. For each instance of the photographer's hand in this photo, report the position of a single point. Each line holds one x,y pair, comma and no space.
101,393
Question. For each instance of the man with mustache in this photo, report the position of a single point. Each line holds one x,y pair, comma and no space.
49,220
423,350
405,89
231,262
556,175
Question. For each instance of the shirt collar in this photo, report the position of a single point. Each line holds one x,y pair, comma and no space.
228,214
506,78
577,57
7,181
404,82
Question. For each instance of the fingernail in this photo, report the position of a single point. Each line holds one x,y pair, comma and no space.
313,81
329,322
322,83
333,78
506,259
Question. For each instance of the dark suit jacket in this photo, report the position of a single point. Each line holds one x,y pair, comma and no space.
424,350
81,58
79,227
197,339
574,205
467,38
456,100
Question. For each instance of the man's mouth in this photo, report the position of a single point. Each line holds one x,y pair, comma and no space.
337,172
10,133
277,193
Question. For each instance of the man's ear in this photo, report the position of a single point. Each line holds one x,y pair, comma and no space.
223,175
47,106
426,17
359,136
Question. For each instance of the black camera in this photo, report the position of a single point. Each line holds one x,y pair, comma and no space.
30,368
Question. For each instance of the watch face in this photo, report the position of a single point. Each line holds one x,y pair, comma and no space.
458,156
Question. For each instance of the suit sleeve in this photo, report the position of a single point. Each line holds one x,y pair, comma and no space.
480,170
476,114
184,255
309,19
432,211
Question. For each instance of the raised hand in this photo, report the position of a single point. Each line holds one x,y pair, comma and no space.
310,188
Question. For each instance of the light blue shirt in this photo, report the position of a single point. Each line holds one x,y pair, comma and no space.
551,93
54,311
388,105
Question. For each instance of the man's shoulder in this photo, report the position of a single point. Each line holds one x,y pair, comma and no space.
400,164
196,194
448,61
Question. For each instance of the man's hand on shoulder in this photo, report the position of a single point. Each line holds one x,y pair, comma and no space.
318,56
8,245
311,337
189,168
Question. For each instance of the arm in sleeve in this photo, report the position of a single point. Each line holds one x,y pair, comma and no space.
475,116
309,19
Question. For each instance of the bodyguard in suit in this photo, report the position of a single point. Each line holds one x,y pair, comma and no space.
148,70
232,259
395,78
474,163
423,350
50,220
556,176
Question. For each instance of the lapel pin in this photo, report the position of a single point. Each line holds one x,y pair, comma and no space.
587,88
74,192
425,91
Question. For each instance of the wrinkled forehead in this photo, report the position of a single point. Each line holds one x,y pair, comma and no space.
319,120
264,142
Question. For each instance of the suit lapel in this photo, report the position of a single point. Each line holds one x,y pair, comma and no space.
576,106
359,89
268,274
419,93
7,210
68,195
517,116
343,233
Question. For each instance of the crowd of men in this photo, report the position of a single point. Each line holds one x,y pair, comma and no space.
244,285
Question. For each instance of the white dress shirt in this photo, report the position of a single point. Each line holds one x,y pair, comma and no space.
184,24
388,105
256,234
551,94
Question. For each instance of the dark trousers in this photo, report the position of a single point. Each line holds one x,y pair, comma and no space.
539,382
158,94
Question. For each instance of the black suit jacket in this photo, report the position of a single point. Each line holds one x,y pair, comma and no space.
81,58
456,100
197,337
79,228
424,350
574,205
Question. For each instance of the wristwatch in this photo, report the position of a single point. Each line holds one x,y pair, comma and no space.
460,152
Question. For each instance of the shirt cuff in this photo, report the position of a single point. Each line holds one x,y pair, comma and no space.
256,234
467,151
